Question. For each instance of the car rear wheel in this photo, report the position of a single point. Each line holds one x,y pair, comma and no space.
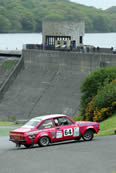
28,145
88,135
44,141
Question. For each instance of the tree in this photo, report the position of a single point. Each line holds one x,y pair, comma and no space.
27,15
28,22
4,24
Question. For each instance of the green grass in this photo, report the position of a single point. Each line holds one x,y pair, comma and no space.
108,126
5,123
9,64
9,126
5,132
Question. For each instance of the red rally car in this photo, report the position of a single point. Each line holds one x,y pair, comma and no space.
47,129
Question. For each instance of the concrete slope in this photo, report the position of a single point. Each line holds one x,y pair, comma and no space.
49,83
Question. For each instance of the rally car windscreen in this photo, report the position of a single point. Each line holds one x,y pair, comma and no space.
31,123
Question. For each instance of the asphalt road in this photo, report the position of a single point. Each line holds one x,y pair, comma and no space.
97,156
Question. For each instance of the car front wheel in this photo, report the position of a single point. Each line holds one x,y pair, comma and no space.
44,141
78,138
88,135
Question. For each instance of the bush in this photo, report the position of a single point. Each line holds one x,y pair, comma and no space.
78,118
93,83
12,118
103,104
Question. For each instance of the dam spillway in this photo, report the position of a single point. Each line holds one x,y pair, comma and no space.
49,83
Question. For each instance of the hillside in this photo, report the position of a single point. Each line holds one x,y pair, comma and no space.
27,15
111,10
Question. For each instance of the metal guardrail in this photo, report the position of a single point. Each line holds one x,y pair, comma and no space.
10,53
80,49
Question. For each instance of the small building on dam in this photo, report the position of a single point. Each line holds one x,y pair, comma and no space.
61,34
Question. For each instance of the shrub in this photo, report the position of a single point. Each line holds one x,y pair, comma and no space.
103,104
93,83
78,118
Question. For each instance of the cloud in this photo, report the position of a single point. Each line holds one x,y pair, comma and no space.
104,4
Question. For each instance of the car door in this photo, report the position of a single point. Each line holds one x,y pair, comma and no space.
65,129
47,129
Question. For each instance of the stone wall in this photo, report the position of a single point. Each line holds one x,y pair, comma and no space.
84,62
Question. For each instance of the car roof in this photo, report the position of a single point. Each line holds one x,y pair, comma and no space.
44,117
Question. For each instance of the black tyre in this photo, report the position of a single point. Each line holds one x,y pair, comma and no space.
78,139
44,141
88,135
28,145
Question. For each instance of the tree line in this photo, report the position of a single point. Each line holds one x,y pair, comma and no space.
27,15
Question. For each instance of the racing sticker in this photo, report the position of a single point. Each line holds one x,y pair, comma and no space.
68,132
76,131
59,134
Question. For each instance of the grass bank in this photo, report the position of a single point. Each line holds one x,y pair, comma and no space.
5,132
5,123
6,127
108,126
9,64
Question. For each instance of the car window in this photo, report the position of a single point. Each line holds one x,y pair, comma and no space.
62,121
46,124
31,123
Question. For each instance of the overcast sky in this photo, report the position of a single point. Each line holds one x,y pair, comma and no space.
103,4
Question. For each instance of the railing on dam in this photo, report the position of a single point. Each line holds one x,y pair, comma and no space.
80,49
11,53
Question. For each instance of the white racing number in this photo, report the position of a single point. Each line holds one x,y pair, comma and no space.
68,132
76,131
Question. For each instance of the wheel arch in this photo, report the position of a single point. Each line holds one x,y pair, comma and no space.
43,135
91,128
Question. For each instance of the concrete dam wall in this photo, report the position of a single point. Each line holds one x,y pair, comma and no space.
50,83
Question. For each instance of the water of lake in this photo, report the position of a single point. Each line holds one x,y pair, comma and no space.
16,41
